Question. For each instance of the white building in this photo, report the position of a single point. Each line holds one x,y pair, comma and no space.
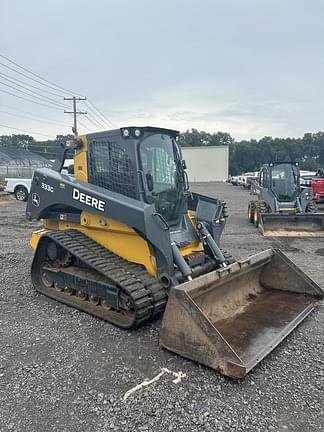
206,164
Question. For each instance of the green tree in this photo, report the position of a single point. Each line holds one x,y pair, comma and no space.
194,138
17,141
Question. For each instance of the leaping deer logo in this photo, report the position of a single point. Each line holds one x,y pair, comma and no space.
35,199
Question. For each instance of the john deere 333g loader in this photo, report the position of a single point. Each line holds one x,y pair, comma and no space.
123,239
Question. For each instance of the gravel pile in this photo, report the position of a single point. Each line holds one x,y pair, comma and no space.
63,370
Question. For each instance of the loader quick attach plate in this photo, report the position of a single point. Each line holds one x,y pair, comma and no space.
292,225
230,319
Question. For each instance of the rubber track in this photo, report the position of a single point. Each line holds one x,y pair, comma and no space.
148,296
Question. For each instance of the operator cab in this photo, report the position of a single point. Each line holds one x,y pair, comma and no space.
284,179
163,173
141,163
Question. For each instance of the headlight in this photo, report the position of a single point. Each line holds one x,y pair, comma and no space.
126,133
137,133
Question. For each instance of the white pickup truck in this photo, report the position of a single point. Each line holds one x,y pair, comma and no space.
20,187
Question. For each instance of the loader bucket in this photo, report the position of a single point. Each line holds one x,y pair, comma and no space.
231,318
292,225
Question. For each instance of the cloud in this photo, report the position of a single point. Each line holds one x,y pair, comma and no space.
250,68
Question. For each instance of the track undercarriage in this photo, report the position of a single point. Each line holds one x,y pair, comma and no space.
75,270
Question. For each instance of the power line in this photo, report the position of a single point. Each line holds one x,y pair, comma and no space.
30,85
91,116
38,119
26,76
36,75
106,120
92,122
43,119
49,84
96,121
31,91
30,100
24,112
28,94
23,130
83,125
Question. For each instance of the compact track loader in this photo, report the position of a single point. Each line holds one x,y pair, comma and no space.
281,207
123,239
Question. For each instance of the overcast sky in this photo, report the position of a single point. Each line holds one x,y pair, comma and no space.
247,67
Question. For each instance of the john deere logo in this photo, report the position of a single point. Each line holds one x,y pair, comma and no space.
89,200
35,199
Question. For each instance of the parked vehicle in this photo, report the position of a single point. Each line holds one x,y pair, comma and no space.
280,207
234,180
306,178
317,184
247,178
251,179
20,187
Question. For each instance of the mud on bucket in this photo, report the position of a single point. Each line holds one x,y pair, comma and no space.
230,319
292,225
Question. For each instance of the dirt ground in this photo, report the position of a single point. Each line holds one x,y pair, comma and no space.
63,370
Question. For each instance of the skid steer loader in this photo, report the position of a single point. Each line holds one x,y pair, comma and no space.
123,239
280,207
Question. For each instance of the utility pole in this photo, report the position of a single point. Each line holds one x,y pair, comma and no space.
75,99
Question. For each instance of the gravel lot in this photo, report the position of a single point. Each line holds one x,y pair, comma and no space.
63,370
